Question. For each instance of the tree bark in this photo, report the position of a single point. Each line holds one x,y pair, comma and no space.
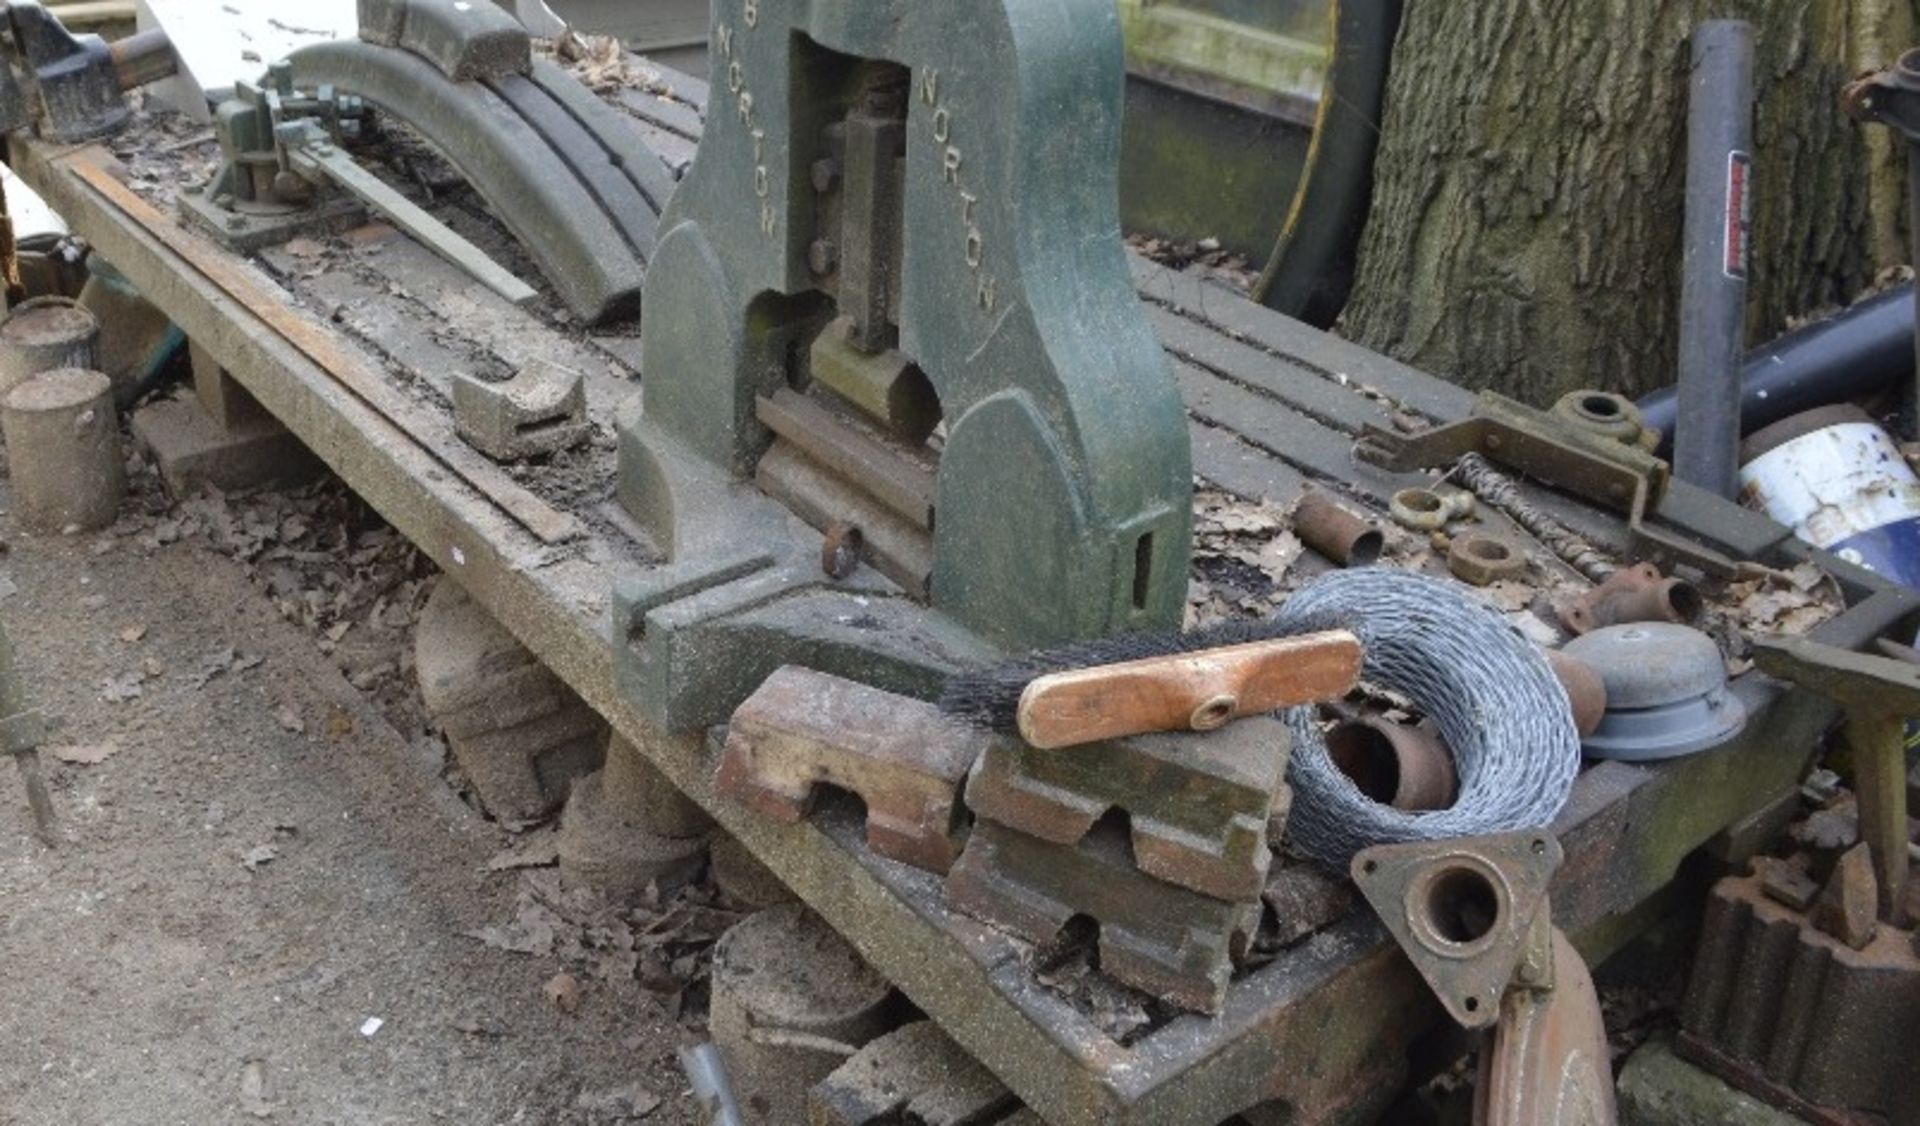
1526,225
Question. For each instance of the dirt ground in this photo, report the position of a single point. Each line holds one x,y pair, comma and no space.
259,867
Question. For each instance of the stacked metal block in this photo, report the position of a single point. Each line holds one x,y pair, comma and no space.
1162,841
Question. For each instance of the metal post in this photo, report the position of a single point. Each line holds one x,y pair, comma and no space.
1719,228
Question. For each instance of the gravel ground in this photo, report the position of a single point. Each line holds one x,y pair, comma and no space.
256,869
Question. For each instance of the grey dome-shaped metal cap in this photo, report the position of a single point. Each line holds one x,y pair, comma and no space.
1647,664
1667,692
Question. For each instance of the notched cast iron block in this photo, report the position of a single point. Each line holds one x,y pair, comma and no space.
804,729
466,40
1156,937
1199,804
541,410
1797,1017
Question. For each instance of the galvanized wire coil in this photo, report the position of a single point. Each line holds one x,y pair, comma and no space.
1488,689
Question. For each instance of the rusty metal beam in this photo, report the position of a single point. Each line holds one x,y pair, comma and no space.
1315,1028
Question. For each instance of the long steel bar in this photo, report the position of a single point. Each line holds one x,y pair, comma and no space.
1308,1028
437,236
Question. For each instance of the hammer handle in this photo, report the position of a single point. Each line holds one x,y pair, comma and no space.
1197,691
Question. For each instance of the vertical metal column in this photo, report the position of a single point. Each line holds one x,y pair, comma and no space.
1719,228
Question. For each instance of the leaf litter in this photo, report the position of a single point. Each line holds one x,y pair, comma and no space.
665,941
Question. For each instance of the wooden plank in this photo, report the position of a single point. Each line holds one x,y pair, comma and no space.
1223,460
1308,446
431,430
1299,388
1304,347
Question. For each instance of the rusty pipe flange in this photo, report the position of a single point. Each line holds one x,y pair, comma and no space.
1462,910
1405,767
1335,532
1634,594
1608,415
1482,558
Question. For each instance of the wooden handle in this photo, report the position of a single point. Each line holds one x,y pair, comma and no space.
1198,691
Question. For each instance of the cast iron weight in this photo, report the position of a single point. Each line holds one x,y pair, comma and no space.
1878,695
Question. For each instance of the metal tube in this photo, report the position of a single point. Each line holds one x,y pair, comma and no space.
143,57
1862,349
1333,531
712,1089
1408,768
1719,225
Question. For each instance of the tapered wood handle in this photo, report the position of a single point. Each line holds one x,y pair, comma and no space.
1197,691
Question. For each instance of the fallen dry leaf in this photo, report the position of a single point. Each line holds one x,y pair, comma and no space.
563,989
89,755
1508,595
621,1104
253,1089
540,852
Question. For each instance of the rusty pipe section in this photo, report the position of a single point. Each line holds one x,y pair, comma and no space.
1395,764
1635,594
1335,531
143,57
1586,690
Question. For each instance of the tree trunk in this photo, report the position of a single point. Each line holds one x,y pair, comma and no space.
1526,224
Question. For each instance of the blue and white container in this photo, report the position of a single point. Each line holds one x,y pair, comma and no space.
1837,479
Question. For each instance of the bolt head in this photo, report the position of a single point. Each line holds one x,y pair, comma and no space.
826,174
823,256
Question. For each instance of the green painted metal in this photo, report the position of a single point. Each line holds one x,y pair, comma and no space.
1065,480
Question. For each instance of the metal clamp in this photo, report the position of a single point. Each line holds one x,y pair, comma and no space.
283,145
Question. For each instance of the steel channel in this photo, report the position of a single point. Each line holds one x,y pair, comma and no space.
1306,1029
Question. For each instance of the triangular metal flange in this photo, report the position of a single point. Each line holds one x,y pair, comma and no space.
1463,910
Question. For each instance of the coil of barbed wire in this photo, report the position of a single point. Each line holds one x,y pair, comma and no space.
1488,689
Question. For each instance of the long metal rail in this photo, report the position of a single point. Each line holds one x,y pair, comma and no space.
1313,1028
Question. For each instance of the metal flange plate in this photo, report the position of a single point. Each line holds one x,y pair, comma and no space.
1463,911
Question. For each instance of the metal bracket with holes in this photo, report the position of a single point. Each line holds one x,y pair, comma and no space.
1464,911
1556,452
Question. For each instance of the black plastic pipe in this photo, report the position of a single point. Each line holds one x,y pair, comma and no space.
1719,228
1864,349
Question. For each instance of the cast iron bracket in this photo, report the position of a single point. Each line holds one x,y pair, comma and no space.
1551,449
